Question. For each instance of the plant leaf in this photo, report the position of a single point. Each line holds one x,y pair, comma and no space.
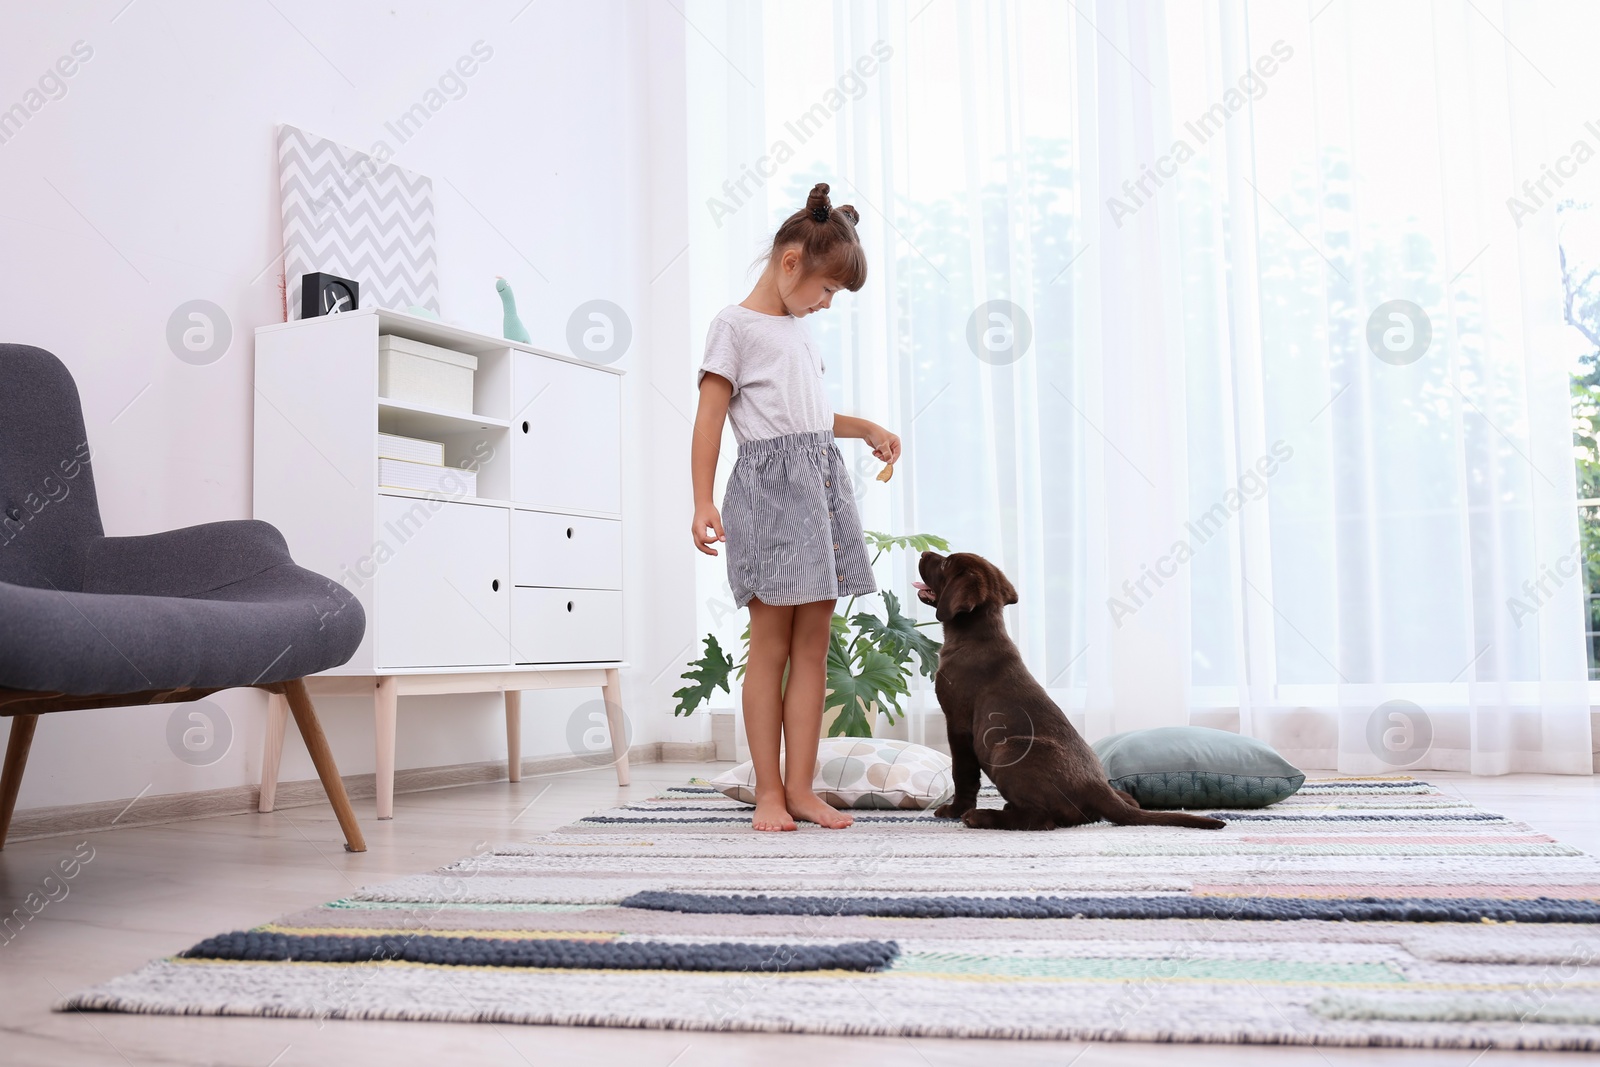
852,722
899,636
870,681
915,542
707,673
744,642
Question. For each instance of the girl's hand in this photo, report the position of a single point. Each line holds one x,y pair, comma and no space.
885,445
707,528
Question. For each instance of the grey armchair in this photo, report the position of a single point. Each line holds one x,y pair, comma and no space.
90,621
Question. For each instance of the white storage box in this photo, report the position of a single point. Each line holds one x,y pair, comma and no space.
425,374
426,477
393,446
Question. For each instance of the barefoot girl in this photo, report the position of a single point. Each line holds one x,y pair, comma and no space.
794,541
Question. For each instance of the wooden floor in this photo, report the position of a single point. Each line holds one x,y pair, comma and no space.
151,891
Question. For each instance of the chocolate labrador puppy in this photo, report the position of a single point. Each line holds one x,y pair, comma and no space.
1002,721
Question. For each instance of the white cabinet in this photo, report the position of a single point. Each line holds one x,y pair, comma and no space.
566,425
437,572
444,592
516,587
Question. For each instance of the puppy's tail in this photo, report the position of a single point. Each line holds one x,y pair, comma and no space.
1124,812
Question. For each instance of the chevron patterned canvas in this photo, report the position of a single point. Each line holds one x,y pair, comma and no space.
347,213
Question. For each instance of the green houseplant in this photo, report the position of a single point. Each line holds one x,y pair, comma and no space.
869,655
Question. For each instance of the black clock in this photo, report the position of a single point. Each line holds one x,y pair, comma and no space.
327,294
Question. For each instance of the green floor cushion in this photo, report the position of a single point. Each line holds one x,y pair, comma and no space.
1196,767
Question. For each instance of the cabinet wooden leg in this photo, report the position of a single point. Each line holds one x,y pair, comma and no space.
305,717
611,693
514,734
385,710
17,745
272,751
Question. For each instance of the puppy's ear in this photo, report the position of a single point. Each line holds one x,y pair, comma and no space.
961,594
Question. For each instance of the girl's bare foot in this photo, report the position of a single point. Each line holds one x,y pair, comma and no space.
772,813
808,807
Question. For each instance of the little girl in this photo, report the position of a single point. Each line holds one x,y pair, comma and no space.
794,541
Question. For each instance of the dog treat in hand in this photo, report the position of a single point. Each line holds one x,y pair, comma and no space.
887,472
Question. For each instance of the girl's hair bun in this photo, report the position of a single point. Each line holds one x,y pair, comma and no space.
817,204
826,238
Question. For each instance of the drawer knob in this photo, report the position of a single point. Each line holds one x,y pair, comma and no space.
569,605
495,585
569,533
524,425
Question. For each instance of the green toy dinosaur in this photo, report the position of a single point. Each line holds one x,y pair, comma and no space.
513,329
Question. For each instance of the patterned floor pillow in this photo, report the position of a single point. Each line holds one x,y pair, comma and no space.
863,772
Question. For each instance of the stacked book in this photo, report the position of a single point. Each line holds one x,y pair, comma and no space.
411,463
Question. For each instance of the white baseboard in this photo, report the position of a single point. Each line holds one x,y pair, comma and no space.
688,752
242,800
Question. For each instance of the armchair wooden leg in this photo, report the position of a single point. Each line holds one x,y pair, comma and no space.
22,727
305,717
514,734
272,751
611,693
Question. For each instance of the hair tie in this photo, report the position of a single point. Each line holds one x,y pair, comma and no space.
820,213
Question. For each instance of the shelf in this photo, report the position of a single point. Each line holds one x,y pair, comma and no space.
338,679
494,502
434,332
419,420
553,509
448,335
420,494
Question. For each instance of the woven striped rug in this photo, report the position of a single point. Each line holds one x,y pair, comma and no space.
1358,912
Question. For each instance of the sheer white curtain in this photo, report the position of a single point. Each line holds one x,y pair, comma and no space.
1210,323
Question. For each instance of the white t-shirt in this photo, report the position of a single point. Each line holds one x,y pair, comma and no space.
776,370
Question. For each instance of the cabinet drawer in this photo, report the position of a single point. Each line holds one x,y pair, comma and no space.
566,625
442,592
565,550
566,426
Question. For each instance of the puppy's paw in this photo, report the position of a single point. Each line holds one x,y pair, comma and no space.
948,811
981,819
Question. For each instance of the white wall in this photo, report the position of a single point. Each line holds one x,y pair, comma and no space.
151,180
